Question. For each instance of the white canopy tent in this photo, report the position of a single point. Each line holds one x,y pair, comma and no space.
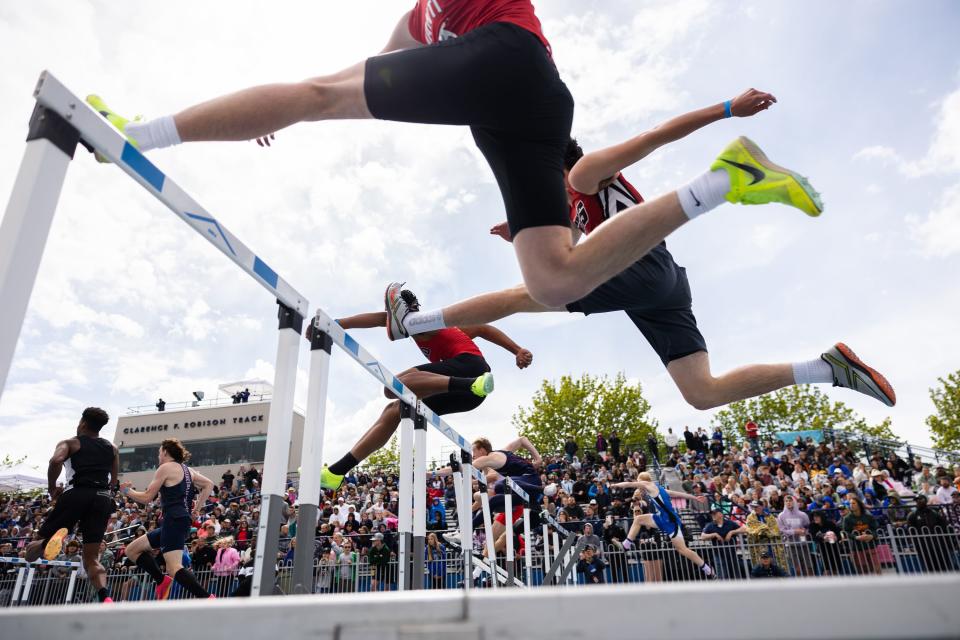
15,482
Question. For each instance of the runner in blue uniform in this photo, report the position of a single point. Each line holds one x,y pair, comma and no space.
662,516
176,484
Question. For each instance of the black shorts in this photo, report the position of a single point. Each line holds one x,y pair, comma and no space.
172,534
90,507
465,365
500,81
655,294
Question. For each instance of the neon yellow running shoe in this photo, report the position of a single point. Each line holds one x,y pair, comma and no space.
55,544
113,118
754,179
483,385
330,480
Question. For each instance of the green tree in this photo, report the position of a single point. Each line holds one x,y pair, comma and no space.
795,408
10,463
945,423
583,407
387,457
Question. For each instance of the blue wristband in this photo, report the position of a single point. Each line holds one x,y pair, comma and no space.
726,109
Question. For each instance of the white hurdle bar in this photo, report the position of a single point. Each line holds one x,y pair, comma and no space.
59,122
415,416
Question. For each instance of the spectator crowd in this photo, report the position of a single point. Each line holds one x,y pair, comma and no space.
771,509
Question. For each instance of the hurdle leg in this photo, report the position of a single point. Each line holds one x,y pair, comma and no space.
405,515
546,555
527,547
419,500
488,534
508,521
51,142
311,462
465,516
276,457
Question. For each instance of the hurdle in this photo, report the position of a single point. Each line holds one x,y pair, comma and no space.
414,418
60,121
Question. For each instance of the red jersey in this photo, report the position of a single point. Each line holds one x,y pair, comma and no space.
446,344
435,20
587,212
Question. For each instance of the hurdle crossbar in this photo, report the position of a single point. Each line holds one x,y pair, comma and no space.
60,121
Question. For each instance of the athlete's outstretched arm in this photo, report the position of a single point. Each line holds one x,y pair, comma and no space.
364,320
146,496
115,469
593,168
625,485
686,496
523,443
492,334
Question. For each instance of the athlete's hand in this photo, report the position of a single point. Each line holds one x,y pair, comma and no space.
524,358
751,102
265,140
502,230
57,492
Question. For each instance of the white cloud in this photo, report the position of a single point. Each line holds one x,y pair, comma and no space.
938,233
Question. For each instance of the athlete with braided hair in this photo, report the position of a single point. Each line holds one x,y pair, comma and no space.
456,379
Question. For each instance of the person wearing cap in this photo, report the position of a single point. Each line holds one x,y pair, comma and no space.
590,566
839,466
763,532
379,558
766,567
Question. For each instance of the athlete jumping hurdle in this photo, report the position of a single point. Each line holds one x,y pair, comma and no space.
653,291
457,379
486,64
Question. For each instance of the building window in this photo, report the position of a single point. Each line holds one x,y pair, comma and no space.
203,453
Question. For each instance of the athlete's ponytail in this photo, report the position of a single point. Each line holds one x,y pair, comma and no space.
175,450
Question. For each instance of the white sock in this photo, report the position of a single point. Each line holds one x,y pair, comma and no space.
705,192
813,371
155,134
423,321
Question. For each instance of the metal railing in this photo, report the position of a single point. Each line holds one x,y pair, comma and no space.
196,404
895,550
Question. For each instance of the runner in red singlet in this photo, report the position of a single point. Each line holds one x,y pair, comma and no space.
456,379
486,64
654,291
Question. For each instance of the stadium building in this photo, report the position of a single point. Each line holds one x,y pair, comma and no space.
220,434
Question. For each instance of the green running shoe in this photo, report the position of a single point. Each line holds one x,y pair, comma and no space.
113,118
754,179
483,385
330,480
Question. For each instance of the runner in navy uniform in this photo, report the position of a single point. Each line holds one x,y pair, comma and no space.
504,463
91,464
662,516
456,379
176,483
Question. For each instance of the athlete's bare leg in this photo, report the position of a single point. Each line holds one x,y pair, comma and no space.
681,546
558,272
423,383
490,307
642,520
258,111
704,391
173,562
91,564
135,548
379,433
